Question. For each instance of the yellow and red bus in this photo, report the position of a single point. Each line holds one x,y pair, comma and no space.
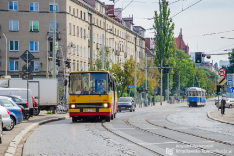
92,94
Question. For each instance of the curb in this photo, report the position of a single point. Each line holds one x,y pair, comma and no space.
12,147
215,119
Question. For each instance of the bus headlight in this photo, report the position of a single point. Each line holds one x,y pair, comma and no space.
105,105
73,106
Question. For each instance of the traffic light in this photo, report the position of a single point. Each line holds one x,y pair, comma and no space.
128,91
166,70
57,61
68,64
198,57
218,89
208,56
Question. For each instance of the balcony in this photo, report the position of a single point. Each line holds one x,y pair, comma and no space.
50,35
88,42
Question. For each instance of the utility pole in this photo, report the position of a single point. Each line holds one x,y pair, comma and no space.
145,78
54,35
193,79
6,52
135,78
179,84
103,50
168,86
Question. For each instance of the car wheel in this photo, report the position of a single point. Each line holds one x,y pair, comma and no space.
230,106
38,112
108,118
74,119
120,110
27,117
112,117
9,128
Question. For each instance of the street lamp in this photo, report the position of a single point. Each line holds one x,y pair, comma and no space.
6,51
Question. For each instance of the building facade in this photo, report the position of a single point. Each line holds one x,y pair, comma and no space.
80,26
180,43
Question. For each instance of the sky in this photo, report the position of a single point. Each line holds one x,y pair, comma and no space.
205,17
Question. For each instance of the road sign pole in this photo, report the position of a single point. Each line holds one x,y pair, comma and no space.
27,77
168,86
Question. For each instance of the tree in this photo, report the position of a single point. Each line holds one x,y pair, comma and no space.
124,74
230,68
98,61
164,39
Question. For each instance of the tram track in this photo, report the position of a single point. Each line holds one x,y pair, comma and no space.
156,153
175,140
191,134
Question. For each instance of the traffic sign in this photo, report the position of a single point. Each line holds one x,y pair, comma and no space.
131,86
222,72
230,90
142,86
222,80
24,68
155,90
230,79
27,56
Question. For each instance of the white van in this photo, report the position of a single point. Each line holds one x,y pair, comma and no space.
20,92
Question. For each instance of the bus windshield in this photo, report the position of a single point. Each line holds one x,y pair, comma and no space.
89,83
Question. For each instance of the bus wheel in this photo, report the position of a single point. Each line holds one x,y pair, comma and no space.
108,118
74,119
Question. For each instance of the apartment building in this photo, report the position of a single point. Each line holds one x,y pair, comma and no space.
80,25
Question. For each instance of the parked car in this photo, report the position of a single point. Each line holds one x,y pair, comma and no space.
15,111
6,120
21,103
126,103
1,128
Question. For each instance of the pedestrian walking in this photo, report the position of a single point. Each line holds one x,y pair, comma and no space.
223,102
153,101
148,100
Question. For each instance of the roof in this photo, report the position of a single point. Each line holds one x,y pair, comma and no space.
195,89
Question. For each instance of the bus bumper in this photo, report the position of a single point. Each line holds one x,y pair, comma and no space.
99,112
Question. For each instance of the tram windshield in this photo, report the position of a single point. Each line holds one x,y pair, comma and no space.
196,93
89,83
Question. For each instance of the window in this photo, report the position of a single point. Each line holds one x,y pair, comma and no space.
34,46
14,45
77,13
84,67
69,48
88,53
84,52
51,6
74,50
34,6
78,66
52,26
81,32
97,21
84,34
73,11
97,38
70,28
84,15
34,26
14,65
13,25
81,66
93,37
81,51
100,23
35,65
77,31
81,14
93,54
69,9
94,20
74,67
73,30
13,5
77,50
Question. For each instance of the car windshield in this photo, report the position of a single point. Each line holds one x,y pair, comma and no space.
6,103
125,100
89,83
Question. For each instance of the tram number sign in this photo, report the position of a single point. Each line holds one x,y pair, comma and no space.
222,72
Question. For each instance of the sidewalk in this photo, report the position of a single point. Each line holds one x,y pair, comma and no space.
227,118
164,103
9,136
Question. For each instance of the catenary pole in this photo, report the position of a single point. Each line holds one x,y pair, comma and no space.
54,61
6,51
145,77
135,78
168,86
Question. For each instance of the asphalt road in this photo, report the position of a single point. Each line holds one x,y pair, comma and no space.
166,130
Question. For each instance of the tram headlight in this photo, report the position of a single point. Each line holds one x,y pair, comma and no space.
73,106
105,105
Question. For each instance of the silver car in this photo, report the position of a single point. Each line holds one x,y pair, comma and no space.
0,128
5,117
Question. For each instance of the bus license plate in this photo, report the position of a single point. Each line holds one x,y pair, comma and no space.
89,110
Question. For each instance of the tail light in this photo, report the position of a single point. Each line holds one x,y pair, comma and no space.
69,106
8,111
27,104
33,103
20,110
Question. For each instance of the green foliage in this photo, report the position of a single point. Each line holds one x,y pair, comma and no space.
125,95
98,61
230,69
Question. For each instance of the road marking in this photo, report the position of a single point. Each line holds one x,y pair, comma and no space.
125,128
150,128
